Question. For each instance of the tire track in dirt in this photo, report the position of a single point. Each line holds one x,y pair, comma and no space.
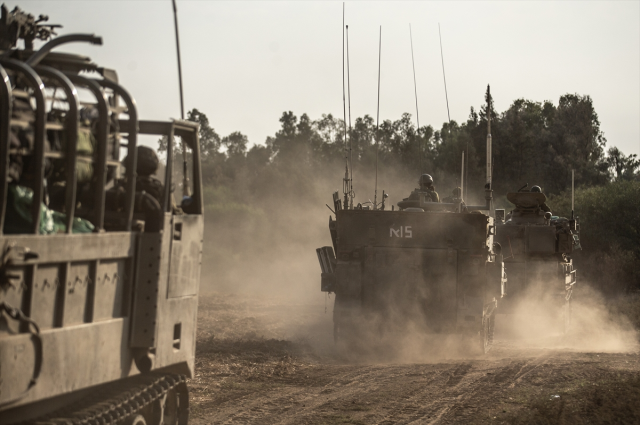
298,401
450,393
376,391
409,403
469,386
484,387
435,394
320,387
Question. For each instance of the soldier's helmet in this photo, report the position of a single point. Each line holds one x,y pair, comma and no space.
457,192
147,161
425,180
536,189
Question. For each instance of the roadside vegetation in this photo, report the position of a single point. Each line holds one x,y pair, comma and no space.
266,202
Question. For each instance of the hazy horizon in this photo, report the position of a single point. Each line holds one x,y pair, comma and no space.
244,63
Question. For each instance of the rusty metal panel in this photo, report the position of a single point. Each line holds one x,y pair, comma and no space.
80,247
440,269
67,365
151,270
111,280
17,360
186,255
435,230
512,239
541,239
151,277
544,277
516,278
46,295
14,292
349,278
413,282
77,294
176,334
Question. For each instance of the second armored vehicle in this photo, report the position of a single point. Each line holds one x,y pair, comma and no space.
537,249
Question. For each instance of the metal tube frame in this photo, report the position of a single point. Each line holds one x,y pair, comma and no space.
71,128
5,134
168,172
37,86
188,131
191,136
131,128
36,57
100,175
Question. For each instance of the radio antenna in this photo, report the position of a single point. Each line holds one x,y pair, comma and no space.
489,154
443,76
415,89
350,139
345,181
175,21
185,175
466,171
375,195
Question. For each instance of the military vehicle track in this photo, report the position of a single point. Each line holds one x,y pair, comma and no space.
121,401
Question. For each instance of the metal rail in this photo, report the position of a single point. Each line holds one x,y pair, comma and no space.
70,38
188,131
5,134
100,176
71,128
132,140
34,81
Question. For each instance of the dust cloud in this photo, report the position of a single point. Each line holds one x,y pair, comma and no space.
595,326
259,258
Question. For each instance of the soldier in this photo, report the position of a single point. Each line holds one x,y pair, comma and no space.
456,196
544,207
426,186
146,168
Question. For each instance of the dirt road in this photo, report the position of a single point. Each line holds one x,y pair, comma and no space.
266,361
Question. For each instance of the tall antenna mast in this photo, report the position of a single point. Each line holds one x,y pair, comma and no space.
375,195
175,21
415,89
350,139
185,174
489,168
443,76
488,187
345,181
573,179
462,178
466,171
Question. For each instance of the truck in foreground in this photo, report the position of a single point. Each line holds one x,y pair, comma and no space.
99,274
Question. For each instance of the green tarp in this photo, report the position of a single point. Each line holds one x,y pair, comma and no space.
18,216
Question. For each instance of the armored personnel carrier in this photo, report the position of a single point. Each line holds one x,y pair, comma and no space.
429,262
100,263
432,265
537,249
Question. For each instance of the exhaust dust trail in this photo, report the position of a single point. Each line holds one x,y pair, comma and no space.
262,251
595,326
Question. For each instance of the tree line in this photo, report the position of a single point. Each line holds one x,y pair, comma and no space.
535,142
272,195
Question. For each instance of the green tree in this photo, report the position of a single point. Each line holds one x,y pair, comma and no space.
623,167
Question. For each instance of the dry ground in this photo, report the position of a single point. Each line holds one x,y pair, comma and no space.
272,361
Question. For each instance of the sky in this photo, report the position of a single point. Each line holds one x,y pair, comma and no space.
245,63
